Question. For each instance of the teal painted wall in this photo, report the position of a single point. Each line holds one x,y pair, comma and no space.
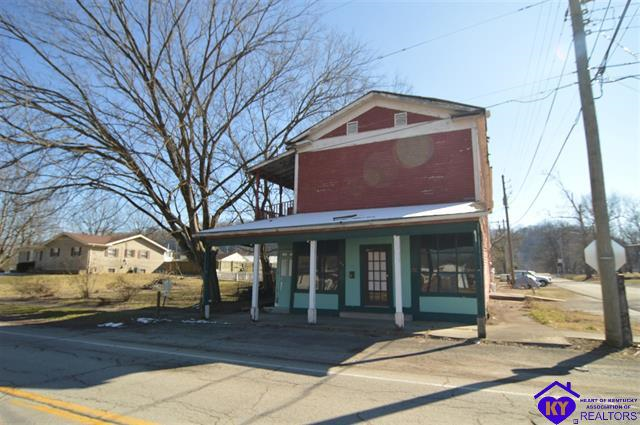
323,301
352,264
451,305
284,279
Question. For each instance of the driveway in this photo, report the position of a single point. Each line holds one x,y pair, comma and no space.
242,373
593,293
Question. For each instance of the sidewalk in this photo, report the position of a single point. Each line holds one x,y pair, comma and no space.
514,329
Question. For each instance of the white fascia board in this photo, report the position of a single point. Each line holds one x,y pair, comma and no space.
382,135
344,225
366,104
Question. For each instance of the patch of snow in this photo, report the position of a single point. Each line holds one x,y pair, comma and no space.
147,320
203,321
111,325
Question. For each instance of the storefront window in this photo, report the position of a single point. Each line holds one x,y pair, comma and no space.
448,263
329,261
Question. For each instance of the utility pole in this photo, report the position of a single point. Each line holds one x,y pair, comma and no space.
616,311
505,201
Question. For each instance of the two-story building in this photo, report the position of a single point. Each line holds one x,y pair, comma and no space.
389,213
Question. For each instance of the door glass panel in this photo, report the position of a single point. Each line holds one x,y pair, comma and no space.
377,284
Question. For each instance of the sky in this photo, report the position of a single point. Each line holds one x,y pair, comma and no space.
497,62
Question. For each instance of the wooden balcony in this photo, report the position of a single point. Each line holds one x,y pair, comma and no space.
273,211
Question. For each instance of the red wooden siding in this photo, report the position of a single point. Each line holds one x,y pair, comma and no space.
377,118
437,168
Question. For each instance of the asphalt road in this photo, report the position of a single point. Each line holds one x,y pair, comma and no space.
173,374
594,292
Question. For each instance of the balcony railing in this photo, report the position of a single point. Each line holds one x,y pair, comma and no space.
276,210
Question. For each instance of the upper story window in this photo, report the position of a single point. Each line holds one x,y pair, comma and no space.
54,252
399,119
130,253
143,254
352,127
111,252
76,251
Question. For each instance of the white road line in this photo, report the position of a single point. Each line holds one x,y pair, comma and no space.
334,371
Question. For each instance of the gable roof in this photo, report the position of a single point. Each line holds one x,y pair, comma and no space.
566,388
457,109
104,240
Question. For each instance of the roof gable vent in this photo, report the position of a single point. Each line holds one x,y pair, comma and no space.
352,127
399,119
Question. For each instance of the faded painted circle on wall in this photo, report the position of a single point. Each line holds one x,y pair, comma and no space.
378,170
414,151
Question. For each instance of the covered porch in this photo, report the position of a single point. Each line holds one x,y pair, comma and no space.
397,264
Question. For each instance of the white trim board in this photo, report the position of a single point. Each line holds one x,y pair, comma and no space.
386,134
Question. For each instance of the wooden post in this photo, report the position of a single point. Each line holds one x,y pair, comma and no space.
616,312
397,282
255,307
312,315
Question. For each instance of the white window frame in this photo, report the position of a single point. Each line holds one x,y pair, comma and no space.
111,252
397,117
351,125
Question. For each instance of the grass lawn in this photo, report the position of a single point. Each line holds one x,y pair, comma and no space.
557,315
60,297
629,278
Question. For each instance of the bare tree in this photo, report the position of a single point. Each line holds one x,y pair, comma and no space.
166,104
97,214
24,220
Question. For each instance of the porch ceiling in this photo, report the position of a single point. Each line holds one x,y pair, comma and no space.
345,221
279,170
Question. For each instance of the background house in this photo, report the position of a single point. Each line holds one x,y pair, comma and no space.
79,252
237,262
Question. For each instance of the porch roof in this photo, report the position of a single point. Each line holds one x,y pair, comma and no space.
279,170
345,221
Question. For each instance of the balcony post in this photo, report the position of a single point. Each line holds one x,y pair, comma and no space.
257,206
280,206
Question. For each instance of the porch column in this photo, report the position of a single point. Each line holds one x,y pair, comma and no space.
397,282
256,283
313,254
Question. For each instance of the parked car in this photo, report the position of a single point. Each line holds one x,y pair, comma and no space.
525,280
542,280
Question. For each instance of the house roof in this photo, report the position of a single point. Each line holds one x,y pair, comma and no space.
348,219
238,258
458,109
281,168
104,240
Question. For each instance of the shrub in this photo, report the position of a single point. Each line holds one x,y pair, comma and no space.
85,282
124,289
32,289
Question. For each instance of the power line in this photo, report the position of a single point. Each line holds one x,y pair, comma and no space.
605,59
546,123
448,34
555,162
